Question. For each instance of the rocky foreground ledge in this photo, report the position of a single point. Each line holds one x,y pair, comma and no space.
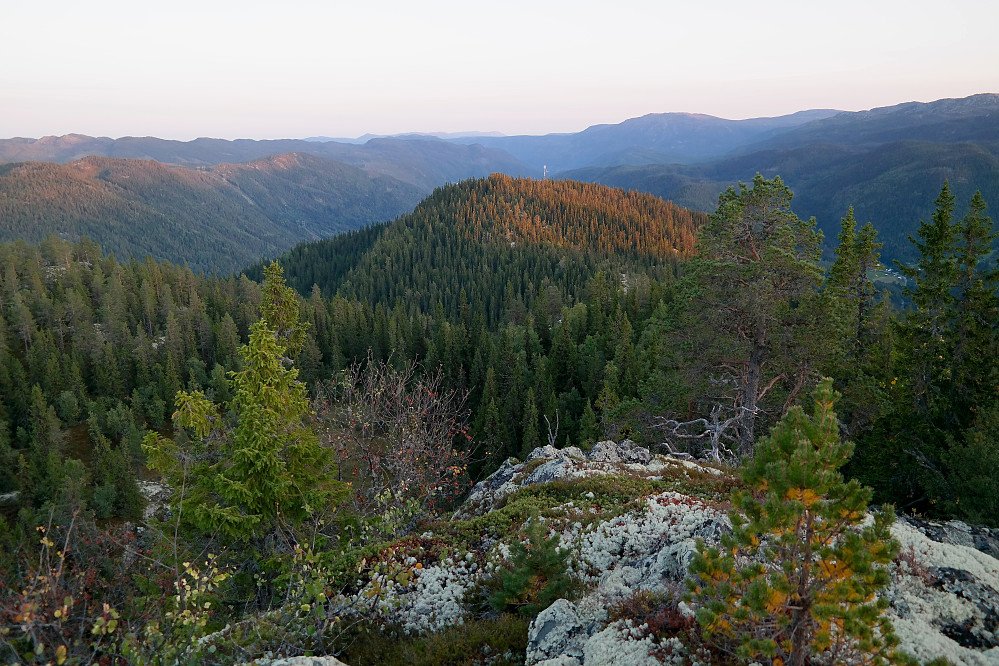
630,520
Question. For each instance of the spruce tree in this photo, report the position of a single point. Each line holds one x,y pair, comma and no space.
589,428
975,331
270,468
925,330
798,575
948,368
280,310
532,437
860,361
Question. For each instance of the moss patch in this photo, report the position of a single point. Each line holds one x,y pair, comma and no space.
501,640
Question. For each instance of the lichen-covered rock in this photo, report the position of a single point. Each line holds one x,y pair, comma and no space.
548,452
157,496
625,452
424,599
301,661
557,636
547,463
487,494
958,533
551,470
621,644
944,594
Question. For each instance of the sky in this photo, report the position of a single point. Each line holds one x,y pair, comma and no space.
298,68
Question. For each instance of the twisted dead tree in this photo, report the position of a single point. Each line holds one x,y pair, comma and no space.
718,437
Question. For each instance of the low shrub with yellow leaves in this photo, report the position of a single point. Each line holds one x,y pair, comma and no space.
798,577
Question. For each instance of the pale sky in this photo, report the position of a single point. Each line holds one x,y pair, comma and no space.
298,68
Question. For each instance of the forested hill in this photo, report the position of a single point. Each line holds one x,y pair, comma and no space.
481,242
218,219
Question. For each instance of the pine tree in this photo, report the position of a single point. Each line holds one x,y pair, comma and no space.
814,568
759,278
537,573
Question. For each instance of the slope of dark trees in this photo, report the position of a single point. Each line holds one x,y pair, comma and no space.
217,219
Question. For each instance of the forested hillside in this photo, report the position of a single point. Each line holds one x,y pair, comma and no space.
484,242
218,219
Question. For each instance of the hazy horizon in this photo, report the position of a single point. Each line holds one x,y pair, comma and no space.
256,70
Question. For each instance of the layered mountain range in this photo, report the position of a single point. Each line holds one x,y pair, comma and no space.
234,200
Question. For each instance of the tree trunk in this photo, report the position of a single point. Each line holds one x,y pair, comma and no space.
754,371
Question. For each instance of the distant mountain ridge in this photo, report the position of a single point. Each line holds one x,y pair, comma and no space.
219,218
974,118
422,162
888,162
659,137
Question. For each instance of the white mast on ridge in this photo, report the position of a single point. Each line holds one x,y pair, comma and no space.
545,167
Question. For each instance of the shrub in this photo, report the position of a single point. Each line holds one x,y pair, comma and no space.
399,437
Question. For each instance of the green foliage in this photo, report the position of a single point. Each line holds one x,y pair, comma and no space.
176,638
271,465
808,586
537,573
972,458
116,492
280,310
759,305
946,376
861,359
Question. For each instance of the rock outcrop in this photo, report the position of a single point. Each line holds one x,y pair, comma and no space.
547,464
943,594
